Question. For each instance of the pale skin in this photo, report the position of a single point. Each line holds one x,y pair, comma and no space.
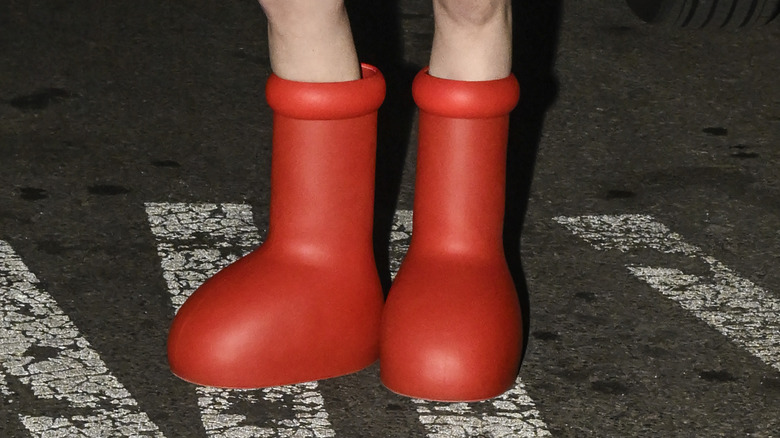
311,40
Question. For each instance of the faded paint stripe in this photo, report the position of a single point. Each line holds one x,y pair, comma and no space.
744,312
194,241
41,348
511,415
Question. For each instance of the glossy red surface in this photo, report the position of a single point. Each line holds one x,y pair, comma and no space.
451,328
307,304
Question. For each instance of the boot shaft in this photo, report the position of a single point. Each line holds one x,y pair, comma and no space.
461,162
323,161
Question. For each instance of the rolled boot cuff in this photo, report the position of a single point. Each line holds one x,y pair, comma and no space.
465,99
327,100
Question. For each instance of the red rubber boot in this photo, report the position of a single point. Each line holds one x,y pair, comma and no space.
451,328
307,304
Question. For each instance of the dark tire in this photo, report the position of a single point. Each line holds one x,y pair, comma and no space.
706,13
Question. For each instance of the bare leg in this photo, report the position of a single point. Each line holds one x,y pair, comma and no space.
472,40
310,40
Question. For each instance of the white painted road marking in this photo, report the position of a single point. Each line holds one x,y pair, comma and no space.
511,415
515,416
735,306
42,349
40,346
194,241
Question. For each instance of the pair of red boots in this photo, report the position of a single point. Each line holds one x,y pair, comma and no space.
308,305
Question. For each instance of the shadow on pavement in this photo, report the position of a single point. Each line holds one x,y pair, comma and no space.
536,26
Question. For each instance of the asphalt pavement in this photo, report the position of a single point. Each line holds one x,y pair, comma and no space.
643,220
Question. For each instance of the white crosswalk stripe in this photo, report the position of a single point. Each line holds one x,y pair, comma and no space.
43,349
741,310
515,416
194,241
